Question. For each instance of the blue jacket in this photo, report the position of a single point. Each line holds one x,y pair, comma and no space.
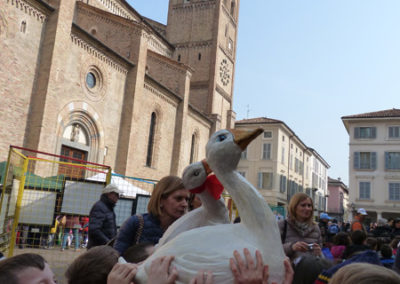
151,232
102,225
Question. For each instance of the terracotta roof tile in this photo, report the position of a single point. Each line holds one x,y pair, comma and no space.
377,114
258,120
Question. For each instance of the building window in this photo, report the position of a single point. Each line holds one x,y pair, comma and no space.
394,191
365,132
394,132
283,155
244,154
266,155
365,190
265,180
232,8
365,160
192,148
308,191
230,45
283,138
179,57
150,144
199,56
392,160
90,80
23,26
282,183
267,134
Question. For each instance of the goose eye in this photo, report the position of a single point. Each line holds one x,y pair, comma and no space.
196,173
221,137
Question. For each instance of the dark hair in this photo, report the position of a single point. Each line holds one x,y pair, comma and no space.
10,267
308,269
386,251
358,237
137,253
395,242
341,239
372,243
93,266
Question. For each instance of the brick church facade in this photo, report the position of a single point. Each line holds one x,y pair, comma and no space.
96,80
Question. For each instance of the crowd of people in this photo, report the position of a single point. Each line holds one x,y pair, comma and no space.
317,252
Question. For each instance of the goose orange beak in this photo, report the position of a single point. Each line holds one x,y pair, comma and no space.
206,167
244,137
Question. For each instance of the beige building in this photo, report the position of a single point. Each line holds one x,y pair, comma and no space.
279,164
95,80
374,164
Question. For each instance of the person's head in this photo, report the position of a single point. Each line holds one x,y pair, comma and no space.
361,213
364,273
395,242
93,266
397,223
301,207
169,198
112,192
194,201
341,239
27,268
324,217
358,237
386,251
138,252
372,243
308,269
390,221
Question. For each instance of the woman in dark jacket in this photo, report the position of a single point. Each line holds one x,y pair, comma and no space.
300,234
102,224
168,202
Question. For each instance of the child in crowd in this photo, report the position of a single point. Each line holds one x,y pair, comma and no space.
358,239
372,243
340,241
26,268
387,258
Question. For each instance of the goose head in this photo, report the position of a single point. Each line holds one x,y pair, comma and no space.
224,147
195,175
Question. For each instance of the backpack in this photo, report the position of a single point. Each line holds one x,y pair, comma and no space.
333,229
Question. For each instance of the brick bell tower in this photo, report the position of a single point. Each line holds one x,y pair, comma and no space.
204,33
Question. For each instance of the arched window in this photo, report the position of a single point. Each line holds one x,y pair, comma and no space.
192,148
179,57
233,8
199,56
150,145
23,26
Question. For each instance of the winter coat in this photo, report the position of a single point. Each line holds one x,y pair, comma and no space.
337,252
151,233
102,224
310,235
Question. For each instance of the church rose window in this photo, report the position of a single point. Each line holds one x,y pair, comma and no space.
91,80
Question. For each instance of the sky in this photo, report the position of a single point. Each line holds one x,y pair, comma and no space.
310,62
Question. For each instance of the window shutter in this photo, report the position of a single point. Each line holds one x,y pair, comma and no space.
260,180
270,180
356,160
391,132
357,132
373,132
373,160
387,160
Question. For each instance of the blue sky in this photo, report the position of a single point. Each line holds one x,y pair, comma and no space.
308,63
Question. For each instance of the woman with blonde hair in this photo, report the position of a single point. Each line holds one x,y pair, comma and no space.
365,273
168,202
300,234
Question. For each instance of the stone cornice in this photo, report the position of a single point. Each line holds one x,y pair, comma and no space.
199,85
36,8
110,18
194,5
118,9
198,44
172,64
161,91
93,46
224,94
199,116
226,12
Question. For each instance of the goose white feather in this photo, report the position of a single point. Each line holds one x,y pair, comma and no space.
211,247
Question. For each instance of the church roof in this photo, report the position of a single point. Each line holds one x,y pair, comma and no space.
377,114
258,120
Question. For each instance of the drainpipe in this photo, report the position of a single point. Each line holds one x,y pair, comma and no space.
288,180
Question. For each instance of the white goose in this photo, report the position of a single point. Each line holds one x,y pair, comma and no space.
213,210
211,247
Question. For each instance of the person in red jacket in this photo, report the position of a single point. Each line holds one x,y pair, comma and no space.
357,224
